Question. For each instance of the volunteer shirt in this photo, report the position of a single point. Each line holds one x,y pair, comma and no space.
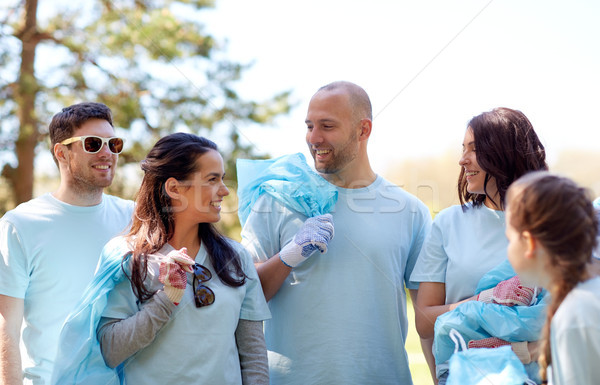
49,251
575,336
340,317
197,346
461,247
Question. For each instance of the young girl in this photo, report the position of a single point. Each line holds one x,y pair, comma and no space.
551,227
466,241
185,304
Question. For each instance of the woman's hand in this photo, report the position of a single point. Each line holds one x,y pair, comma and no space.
172,273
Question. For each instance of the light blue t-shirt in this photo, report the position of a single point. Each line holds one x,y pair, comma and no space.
197,346
461,247
49,250
575,336
340,317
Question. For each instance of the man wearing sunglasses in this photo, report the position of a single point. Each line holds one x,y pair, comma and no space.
339,316
49,246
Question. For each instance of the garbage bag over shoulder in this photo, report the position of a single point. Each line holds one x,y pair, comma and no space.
79,359
476,320
499,366
289,180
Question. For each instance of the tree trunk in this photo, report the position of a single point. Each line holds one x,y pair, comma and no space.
22,177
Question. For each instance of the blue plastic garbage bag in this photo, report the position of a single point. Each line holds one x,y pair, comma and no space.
289,180
497,366
79,359
476,320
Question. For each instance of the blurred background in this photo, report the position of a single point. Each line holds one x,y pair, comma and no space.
242,73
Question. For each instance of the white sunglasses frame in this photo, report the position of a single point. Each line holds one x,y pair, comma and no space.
104,141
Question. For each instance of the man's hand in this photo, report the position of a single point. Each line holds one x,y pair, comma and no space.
315,234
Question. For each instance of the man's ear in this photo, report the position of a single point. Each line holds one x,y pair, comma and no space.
531,244
60,152
365,129
173,188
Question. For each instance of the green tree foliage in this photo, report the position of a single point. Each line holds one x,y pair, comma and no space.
150,61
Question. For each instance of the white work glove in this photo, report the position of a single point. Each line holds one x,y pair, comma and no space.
315,234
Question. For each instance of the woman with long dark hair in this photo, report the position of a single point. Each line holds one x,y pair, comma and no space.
185,304
551,227
467,240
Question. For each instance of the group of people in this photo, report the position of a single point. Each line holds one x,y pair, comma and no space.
95,289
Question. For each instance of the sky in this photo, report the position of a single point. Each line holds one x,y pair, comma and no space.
429,66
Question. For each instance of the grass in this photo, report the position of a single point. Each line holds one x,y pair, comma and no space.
418,366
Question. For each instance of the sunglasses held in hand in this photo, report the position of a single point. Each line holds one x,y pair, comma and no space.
92,144
203,295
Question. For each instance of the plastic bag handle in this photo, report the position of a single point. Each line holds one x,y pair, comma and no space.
536,291
458,339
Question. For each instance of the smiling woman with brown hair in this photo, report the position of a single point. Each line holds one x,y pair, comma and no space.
190,307
466,241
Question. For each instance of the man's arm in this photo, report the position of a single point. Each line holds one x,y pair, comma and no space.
11,318
272,273
315,234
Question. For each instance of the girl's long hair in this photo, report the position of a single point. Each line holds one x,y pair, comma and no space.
559,215
173,156
507,147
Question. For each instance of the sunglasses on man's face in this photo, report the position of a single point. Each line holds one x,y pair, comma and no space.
203,295
93,144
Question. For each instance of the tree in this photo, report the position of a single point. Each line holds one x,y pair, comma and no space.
150,61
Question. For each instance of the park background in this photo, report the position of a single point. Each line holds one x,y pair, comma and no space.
428,66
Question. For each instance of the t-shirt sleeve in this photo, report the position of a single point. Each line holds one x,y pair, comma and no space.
14,263
432,261
254,305
269,227
422,227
